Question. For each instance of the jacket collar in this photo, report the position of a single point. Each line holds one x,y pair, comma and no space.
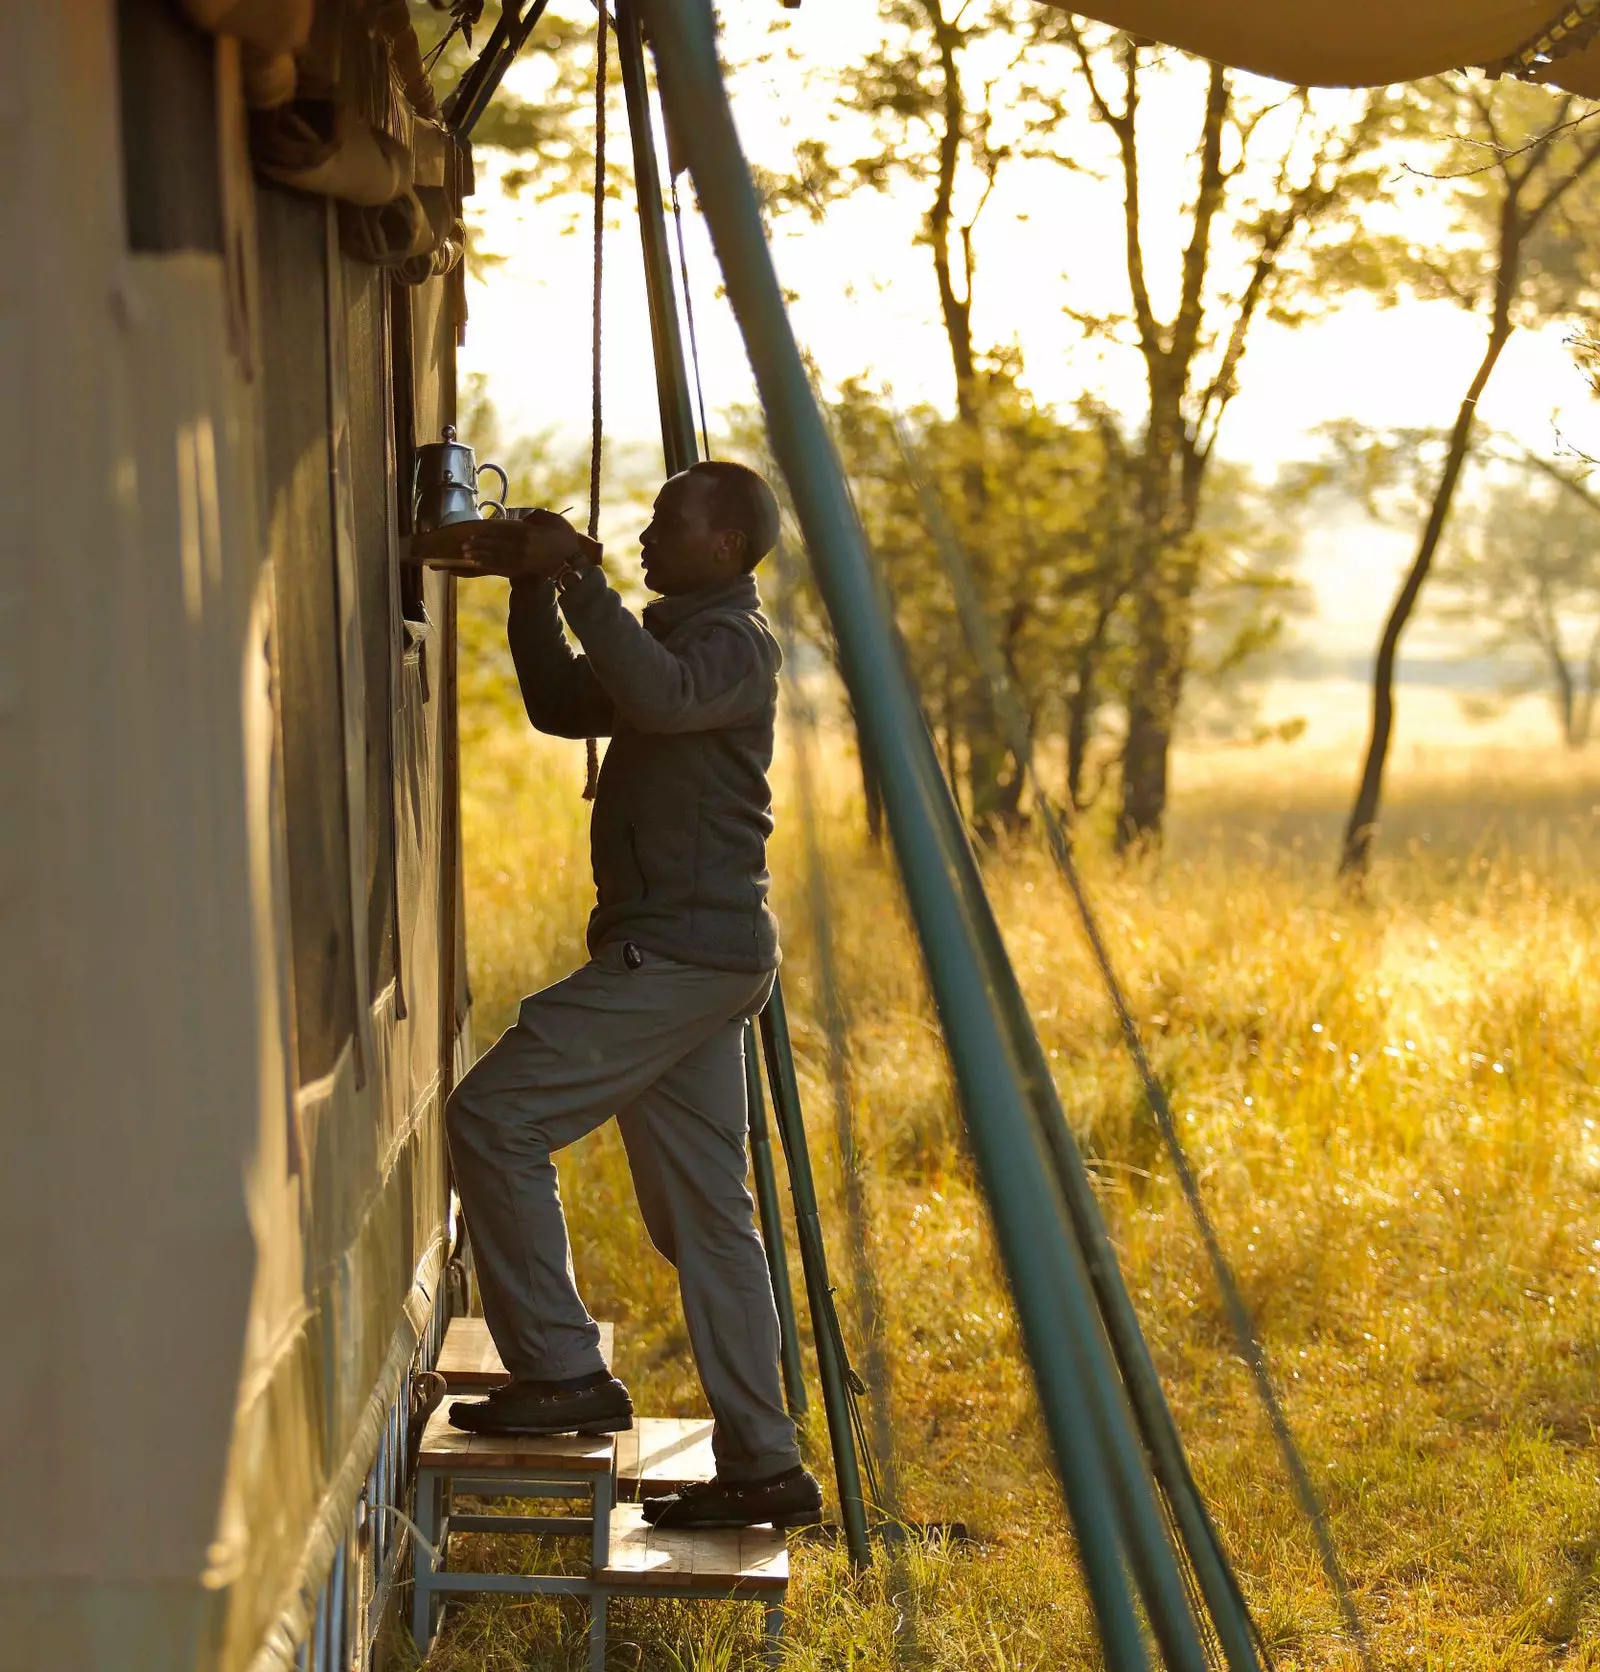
738,594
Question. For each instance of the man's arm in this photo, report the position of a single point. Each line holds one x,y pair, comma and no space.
722,678
559,688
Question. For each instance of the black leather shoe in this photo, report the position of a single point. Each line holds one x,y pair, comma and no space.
542,1408
790,1499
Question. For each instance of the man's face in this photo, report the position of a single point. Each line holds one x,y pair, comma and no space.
681,550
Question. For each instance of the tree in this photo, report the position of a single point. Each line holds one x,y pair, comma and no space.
1526,574
926,107
1273,224
1518,258
951,101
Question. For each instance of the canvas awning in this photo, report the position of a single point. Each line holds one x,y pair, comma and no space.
1369,43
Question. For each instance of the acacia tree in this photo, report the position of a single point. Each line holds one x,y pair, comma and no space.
1273,224
926,107
1519,258
1526,576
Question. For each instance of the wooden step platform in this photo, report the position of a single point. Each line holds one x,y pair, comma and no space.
748,1562
663,1454
470,1361
627,1557
452,1451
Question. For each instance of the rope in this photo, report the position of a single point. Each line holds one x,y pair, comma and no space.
591,748
981,641
688,308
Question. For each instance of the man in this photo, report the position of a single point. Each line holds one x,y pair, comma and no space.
682,950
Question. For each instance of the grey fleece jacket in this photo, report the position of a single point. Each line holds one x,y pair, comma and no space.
678,837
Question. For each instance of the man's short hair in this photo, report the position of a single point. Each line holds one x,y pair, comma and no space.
742,499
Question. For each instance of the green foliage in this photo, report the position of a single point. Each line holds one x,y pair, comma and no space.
1043,508
1514,167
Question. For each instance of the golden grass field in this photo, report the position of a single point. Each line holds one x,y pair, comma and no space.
1394,1108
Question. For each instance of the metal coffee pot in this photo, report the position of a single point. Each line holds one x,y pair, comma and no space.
444,485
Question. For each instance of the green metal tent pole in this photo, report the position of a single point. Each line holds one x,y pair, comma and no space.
1146,1547
679,450
766,1177
672,376
1218,1583
1055,1308
814,1262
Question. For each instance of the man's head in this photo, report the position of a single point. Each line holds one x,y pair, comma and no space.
712,522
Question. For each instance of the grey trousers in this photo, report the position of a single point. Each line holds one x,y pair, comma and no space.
661,1047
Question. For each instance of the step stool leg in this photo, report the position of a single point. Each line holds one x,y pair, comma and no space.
422,1563
772,1632
597,1632
599,1557
600,1537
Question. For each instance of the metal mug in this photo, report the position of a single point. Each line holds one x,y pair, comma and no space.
444,485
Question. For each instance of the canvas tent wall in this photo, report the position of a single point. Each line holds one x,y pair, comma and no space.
234,995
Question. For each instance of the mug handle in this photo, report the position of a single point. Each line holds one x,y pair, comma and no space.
488,508
505,486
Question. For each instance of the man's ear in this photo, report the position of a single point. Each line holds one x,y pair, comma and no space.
734,541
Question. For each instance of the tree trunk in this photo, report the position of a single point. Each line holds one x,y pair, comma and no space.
1153,699
1164,628
1081,706
871,785
987,758
1566,701
1084,702
1583,725
1363,824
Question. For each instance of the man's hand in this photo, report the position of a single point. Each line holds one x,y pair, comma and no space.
535,547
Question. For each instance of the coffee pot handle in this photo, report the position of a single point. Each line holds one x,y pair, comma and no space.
505,486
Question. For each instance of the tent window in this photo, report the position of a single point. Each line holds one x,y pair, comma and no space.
167,74
292,232
368,407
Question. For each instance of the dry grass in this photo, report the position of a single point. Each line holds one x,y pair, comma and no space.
1395,1110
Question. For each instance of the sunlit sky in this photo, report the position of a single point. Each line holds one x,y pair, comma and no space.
866,304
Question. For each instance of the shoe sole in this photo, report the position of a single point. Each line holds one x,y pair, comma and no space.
784,1523
594,1430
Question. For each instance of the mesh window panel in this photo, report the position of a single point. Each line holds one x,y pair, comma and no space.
368,408
294,346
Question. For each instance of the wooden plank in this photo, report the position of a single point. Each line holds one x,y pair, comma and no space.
469,1358
748,1561
664,1454
444,1447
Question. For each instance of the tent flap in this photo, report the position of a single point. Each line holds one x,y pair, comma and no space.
1370,43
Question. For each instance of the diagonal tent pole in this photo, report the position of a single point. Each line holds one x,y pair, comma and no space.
678,448
1109,1494
1219,1585
478,85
